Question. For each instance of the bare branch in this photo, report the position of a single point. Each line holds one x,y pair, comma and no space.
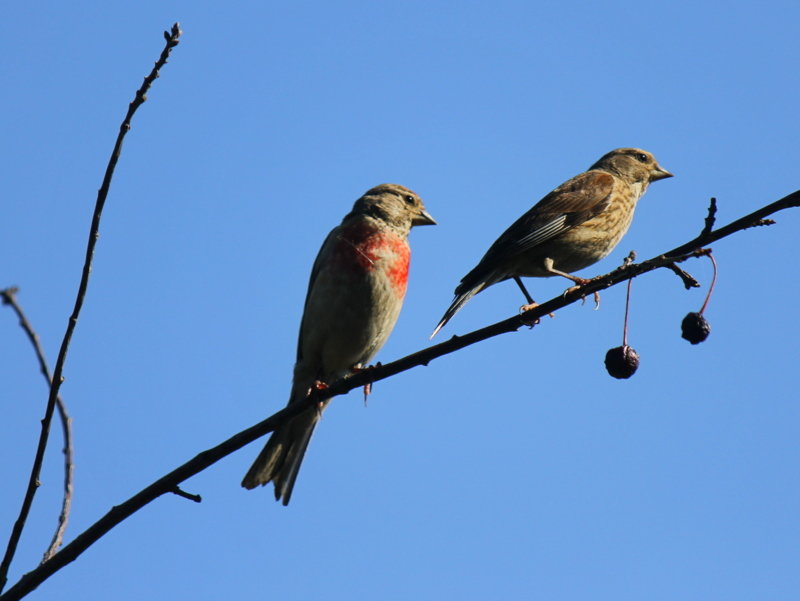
169,482
164,485
9,296
140,97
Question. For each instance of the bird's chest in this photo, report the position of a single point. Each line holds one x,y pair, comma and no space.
354,301
373,258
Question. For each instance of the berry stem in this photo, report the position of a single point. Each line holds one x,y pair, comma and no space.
711,287
627,306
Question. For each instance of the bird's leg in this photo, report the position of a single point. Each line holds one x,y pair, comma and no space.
549,268
532,304
528,297
579,282
319,385
368,386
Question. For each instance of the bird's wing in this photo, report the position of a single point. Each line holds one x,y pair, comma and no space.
315,269
573,202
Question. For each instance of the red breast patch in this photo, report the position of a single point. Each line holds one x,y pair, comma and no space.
362,247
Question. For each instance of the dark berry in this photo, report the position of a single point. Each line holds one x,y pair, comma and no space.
695,328
622,361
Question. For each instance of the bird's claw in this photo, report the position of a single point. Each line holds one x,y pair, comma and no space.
580,283
532,322
524,309
596,299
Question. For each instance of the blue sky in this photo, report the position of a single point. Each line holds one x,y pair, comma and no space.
515,469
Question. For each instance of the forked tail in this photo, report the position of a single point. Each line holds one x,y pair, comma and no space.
280,459
459,301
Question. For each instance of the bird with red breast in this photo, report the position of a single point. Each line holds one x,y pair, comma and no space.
573,227
355,293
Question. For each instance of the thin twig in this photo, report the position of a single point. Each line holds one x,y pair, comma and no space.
629,259
166,484
9,296
711,217
688,281
141,96
177,490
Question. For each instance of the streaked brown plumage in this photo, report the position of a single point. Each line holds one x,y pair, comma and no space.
574,226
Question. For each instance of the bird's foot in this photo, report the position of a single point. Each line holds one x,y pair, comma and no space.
580,283
528,307
530,322
368,386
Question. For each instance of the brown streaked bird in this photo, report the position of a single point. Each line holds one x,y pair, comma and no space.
574,226
354,297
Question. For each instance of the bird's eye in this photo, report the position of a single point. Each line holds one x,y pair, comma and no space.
410,199
641,157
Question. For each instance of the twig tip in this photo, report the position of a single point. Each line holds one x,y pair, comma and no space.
182,493
172,36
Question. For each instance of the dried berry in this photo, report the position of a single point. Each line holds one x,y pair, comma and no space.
622,361
695,328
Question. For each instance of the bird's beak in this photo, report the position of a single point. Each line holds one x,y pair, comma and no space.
423,218
659,173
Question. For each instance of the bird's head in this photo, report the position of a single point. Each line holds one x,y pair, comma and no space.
398,206
633,164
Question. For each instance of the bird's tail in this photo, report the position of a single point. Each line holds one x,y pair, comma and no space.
280,460
459,301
